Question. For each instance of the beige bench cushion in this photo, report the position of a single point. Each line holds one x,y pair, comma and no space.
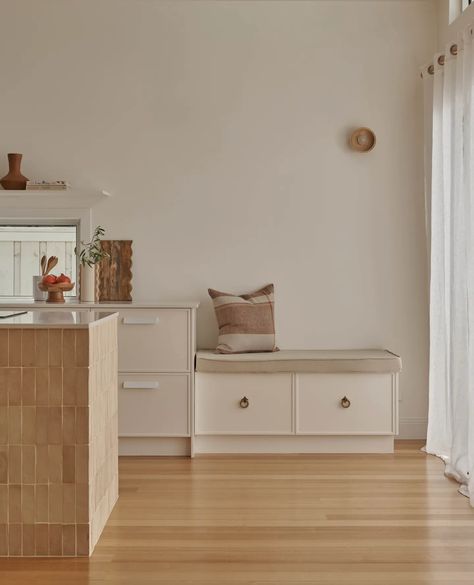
322,361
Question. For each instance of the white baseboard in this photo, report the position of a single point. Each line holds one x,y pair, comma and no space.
154,446
413,428
244,444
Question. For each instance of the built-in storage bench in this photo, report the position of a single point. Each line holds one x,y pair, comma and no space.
308,401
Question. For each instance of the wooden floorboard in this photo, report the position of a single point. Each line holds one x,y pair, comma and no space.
276,520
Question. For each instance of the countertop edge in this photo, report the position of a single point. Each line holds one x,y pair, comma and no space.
15,303
5,324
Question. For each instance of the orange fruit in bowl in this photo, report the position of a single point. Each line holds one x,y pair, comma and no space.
49,279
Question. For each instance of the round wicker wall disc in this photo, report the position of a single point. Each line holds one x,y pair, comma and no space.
362,140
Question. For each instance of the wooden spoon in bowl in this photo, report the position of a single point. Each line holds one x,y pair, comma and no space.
52,261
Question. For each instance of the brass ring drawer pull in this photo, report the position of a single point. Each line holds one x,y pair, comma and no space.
244,403
345,402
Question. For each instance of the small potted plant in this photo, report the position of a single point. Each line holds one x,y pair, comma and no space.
90,254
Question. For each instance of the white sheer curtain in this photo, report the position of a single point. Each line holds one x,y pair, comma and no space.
451,391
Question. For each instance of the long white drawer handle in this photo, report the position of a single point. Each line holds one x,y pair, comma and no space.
140,320
144,385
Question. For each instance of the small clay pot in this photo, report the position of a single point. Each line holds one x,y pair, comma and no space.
14,179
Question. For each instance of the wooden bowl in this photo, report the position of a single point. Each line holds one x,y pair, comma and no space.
56,291
362,140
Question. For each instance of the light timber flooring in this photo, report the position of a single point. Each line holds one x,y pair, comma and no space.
261,520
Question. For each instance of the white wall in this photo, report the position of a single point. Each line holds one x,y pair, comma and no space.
221,128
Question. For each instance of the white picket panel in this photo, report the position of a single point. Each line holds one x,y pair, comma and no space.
21,248
29,266
6,268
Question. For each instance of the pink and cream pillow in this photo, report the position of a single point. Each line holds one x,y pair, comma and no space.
246,322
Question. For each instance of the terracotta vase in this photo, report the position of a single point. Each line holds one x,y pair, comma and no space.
14,179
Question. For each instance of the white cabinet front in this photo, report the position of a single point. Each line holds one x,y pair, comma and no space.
245,404
154,340
152,405
345,404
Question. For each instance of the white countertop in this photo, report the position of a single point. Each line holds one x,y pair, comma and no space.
56,319
29,303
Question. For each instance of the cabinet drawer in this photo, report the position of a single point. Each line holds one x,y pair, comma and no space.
153,405
320,409
154,340
218,404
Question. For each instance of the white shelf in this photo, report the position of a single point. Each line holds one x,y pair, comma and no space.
77,198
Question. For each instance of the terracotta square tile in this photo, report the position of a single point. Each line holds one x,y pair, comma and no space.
4,463
82,424
42,503
82,347
42,464
3,425
41,347
69,425
55,425
13,378
69,503
28,347
42,539
55,540
75,386
69,348
69,540
14,425
55,503
82,503
28,387
42,386
42,420
69,387
14,540
14,464
81,384
55,386
55,464
3,504
3,387
3,348
82,464
69,464
82,535
14,347
14,504
29,547
55,347
28,504
28,465
3,540
28,429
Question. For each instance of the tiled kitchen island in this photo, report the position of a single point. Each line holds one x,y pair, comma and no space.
58,431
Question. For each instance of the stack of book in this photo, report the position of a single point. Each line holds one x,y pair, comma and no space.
46,185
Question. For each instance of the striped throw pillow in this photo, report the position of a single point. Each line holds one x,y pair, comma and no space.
246,322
